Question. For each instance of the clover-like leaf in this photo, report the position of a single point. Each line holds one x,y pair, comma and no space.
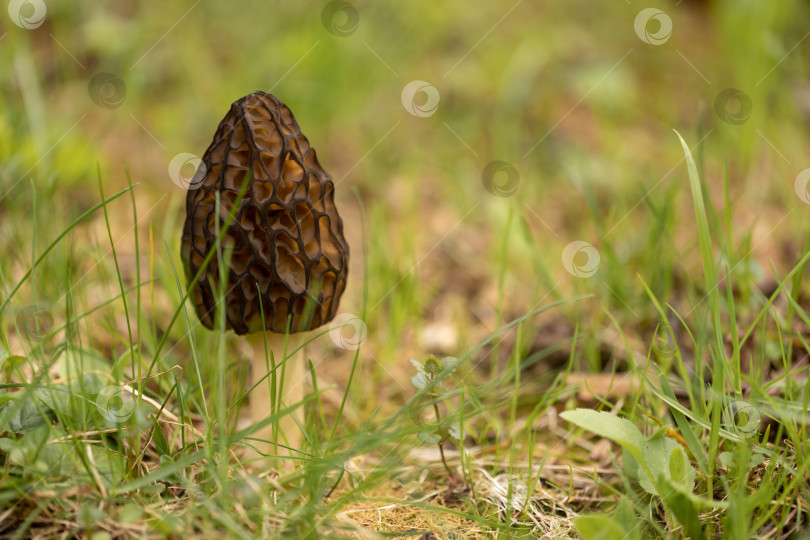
433,366
449,364
429,437
420,381
418,365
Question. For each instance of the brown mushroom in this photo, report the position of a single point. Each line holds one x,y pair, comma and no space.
288,258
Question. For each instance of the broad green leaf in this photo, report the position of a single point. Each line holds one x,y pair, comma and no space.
419,381
23,413
599,527
681,507
625,516
449,365
130,513
110,465
429,437
7,444
656,456
7,362
73,362
89,515
661,454
681,472
32,452
729,460
631,466
604,424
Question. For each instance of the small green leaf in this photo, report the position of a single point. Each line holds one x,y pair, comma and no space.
418,365
631,466
168,525
161,444
429,437
728,460
599,527
420,381
455,431
89,515
153,489
681,472
9,362
611,427
625,516
23,413
109,465
655,457
449,364
681,507
130,513
664,456
433,366
54,458
7,444
33,452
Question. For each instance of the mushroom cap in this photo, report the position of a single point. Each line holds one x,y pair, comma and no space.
286,237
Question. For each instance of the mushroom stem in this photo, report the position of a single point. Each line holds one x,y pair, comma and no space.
277,390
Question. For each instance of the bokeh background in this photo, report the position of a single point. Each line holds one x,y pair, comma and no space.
489,159
578,101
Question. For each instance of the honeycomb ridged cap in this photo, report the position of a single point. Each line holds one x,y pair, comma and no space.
286,237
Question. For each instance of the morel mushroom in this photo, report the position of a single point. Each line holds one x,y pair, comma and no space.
288,260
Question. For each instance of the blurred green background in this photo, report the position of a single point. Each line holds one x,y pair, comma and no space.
573,103
574,95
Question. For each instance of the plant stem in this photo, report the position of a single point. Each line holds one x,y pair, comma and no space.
441,444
